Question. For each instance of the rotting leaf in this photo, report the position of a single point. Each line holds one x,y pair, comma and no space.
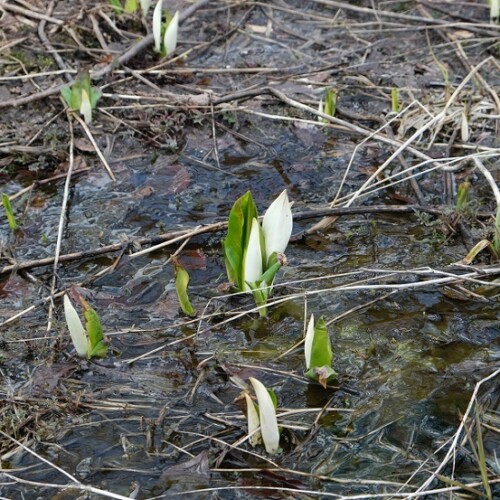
181,285
196,469
478,247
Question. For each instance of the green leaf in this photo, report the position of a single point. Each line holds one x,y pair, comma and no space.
117,6
181,285
274,398
330,102
67,95
99,351
94,331
463,195
73,95
9,212
321,351
270,273
260,294
395,100
130,6
238,234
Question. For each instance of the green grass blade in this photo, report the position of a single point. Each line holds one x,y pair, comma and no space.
9,212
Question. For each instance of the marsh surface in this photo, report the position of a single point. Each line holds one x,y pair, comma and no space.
413,330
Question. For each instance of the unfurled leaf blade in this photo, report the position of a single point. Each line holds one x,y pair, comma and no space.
238,233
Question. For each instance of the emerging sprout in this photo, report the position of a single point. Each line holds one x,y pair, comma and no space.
181,285
164,34
9,212
318,352
328,107
89,341
81,96
267,417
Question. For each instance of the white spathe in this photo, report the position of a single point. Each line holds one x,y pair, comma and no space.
86,107
76,329
308,342
494,11
253,422
170,39
157,15
252,270
145,4
268,422
277,225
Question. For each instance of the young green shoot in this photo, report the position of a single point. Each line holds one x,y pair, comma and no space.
130,6
9,212
253,252
88,340
165,33
463,196
318,352
181,285
496,236
82,96
328,106
395,106
267,417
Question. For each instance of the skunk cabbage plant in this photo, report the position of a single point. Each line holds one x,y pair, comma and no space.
254,252
81,96
88,340
318,352
164,34
266,418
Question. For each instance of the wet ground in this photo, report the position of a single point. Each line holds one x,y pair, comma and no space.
413,330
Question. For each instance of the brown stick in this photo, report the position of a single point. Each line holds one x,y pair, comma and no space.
210,228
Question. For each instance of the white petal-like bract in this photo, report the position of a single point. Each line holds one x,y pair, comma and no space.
268,422
86,107
157,15
277,225
308,342
252,269
76,329
253,422
170,39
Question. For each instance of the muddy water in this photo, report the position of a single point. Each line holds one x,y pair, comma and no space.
407,364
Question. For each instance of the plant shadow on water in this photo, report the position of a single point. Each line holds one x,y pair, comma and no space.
163,413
